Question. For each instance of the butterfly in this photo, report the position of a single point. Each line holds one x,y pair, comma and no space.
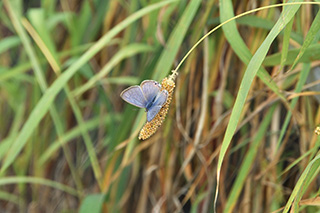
148,95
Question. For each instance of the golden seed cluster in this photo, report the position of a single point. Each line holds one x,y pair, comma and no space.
317,130
151,127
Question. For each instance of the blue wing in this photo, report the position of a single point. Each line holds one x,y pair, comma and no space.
159,101
161,98
134,95
152,112
150,89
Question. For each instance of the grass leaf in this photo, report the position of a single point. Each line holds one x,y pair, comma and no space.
45,102
248,77
92,203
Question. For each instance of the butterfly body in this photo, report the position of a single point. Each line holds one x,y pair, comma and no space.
148,95
150,104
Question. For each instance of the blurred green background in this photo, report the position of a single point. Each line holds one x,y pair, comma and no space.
245,106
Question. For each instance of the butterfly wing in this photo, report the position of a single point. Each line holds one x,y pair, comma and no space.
152,112
161,98
147,94
150,89
159,101
134,95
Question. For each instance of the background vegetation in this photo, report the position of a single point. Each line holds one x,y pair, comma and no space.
245,106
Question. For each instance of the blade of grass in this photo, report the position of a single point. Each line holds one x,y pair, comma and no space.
239,46
163,66
37,19
310,38
310,55
233,197
168,54
306,174
256,21
124,52
302,80
261,23
9,42
57,18
313,173
15,72
124,80
18,120
175,40
285,45
247,79
71,134
296,162
9,197
37,180
43,85
51,56
92,203
46,101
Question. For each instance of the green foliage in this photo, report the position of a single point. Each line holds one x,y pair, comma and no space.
92,203
241,122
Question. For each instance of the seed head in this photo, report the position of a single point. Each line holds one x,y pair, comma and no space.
317,130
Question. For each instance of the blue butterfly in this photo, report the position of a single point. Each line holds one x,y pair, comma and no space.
147,95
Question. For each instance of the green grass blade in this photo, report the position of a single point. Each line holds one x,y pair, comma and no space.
47,47
15,72
72,134
312,34
314,29
247,162
296,162
312,174
310,55
92,203
36,180
256,21
285,45
10,42
9,197
164,64
239,46
248,77
18,120
124,80
300,183
38,20
167,57
43,85
124,53
302,79
45,102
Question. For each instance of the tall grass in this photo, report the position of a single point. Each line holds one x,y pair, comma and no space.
241,122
